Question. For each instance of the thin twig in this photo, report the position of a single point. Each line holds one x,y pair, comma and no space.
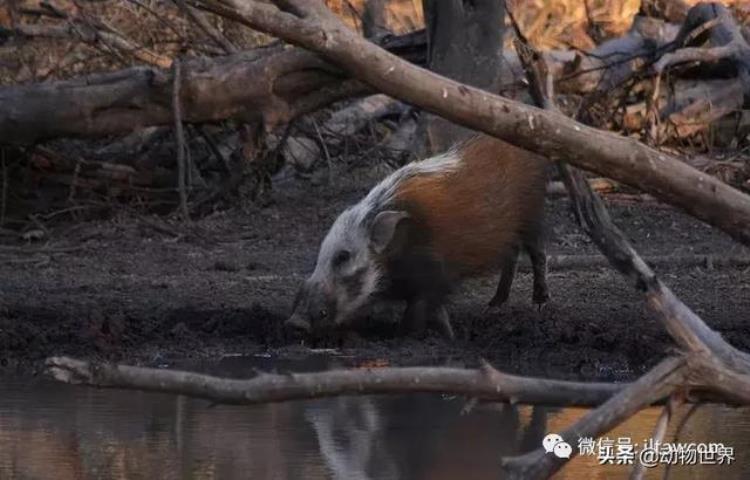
653,115
200,20
214,148
180,137
190,169
327,154
693,408
160,19
660,430
97,34
5,188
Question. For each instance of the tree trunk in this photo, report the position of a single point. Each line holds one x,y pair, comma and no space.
465,43
374,24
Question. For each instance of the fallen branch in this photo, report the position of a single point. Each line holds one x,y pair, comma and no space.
271,85
581,262
695,54
726,44
726,38
485,383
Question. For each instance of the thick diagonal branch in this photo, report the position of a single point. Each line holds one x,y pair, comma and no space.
701,345
657,384
685,327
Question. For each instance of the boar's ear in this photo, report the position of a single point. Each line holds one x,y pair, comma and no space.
383,228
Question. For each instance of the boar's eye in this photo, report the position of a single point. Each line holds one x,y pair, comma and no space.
341,257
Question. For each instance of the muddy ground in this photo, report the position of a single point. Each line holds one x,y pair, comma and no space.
149,290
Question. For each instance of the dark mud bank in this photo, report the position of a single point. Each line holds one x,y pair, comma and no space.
146,291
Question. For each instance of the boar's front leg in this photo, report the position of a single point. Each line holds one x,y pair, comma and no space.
422,310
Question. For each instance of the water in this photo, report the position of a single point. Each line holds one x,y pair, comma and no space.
60,432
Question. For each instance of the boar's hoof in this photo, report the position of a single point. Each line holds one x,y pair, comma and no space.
296,326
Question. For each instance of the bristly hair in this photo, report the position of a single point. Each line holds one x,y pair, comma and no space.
382,194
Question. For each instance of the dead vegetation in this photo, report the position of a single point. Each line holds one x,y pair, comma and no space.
593,47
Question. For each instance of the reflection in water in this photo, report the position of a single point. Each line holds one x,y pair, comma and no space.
53,431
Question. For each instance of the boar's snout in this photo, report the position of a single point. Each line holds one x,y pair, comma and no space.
312,311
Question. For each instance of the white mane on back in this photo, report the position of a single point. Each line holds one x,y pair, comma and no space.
382,193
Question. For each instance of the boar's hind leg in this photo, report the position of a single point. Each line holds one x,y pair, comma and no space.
507,272
420,311
535,248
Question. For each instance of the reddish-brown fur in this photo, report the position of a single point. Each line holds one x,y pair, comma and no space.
478,214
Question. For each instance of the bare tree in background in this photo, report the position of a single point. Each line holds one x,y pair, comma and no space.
465,43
